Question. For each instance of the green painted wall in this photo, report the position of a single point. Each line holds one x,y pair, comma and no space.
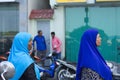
106,19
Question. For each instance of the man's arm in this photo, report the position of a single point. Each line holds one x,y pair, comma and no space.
59,42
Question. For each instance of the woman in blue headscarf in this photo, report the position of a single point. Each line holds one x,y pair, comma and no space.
25,69
91,65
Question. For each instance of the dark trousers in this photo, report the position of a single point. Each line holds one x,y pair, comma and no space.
58,55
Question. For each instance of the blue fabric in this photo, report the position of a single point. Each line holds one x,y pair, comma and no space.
19,55
90,57
40,41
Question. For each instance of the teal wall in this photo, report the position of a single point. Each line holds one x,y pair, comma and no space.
106,19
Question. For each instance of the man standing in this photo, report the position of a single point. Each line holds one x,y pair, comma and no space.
41,45
56,45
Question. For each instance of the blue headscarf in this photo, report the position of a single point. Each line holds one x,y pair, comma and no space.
19,55
89,56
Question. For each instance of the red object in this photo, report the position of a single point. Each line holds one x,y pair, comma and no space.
37,59
3,58
41,14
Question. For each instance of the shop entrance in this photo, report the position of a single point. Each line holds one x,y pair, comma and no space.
45,27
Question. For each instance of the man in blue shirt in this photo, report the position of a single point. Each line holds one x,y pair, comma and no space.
41,45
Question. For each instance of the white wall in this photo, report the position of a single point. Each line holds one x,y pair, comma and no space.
32,26
58,26
36,5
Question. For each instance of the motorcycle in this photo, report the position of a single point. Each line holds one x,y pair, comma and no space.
57,69
67,71
7,70
49,71
115,69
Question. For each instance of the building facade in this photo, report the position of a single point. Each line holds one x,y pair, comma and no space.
14,18
69,19
80,15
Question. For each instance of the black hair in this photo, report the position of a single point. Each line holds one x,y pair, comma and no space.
39,31
53,33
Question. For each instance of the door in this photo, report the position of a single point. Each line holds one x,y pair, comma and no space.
117,26
45,27
105,19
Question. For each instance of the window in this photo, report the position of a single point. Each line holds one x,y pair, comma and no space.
9,24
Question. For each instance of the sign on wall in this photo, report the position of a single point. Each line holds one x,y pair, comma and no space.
7,0
68,1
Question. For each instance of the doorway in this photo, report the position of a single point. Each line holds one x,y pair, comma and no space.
45,27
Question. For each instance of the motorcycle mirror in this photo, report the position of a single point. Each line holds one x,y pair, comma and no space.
7,70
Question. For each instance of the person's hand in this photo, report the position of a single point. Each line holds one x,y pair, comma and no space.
37,59
54,47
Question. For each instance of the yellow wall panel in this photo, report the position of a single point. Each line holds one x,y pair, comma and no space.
67,1
106,0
